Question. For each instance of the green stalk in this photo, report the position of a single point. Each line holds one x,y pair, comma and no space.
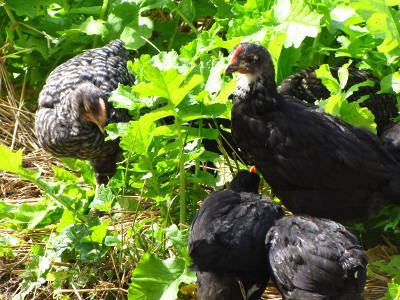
182,189
101,16
171,40
154,179
186,20
13,21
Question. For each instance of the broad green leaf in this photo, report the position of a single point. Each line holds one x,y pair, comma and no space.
341,13
30,8
356,87
391,83
155,279
225,92
353,114
167,84
10,161
99,232
179,240
178,96
187,8
139,136
89,10
298,21
382,25
67,219
64,175
275,46
104,200
393,288
93,27
135,35
149,4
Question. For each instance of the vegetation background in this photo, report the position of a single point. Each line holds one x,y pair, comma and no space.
56,241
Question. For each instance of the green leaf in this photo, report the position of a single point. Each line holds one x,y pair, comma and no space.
67,219
391,83
89,10
155,279
324,74
167,84
381,22
393,292
297,20
93,27
30,8
10,161
187,8
104,200
179,240
64,175
99,232
139,136
135,34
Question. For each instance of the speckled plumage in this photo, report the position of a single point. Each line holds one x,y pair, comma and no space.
312,258
60,128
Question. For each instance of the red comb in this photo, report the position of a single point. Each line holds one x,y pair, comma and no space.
253,169
236,54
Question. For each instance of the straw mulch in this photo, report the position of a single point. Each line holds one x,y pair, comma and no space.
17,131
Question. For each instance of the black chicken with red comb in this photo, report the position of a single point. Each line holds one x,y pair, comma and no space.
315,163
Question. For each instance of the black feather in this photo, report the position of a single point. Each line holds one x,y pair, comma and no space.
313,258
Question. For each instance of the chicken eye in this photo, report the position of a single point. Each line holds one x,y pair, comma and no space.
251,59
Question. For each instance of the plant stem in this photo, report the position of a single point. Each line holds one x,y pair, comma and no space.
13,21
186,20
101,16
182,175
154,179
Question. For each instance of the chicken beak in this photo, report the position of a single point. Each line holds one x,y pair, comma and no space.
101,127
231,68
101,119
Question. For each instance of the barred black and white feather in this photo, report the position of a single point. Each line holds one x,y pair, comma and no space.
60,128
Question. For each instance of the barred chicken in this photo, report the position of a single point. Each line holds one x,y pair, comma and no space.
74,108
226,240
315,163
312,258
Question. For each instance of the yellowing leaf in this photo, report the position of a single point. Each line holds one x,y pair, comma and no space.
10,161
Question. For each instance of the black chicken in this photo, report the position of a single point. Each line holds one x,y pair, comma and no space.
306,86
226,240
315,163
74,108
314,258
391,140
